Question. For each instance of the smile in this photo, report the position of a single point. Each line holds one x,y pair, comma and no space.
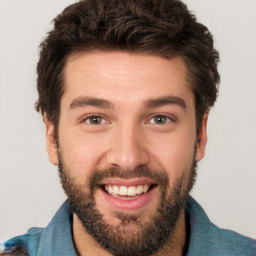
130,191
131,194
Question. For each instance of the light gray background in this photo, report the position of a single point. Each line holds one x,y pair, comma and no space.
29,188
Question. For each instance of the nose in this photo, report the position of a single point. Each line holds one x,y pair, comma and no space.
128,149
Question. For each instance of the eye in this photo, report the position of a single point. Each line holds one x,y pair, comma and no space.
95,120
159,120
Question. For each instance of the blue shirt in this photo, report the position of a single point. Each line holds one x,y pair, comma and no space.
205,239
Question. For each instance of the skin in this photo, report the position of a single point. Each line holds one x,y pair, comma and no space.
127,135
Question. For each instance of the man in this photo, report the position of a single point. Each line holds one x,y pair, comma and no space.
125,88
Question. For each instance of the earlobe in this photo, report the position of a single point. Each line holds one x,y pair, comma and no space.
51,143
202,139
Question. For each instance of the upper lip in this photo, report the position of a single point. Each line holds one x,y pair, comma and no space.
127,182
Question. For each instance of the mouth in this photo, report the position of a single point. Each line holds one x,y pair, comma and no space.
129,195
127,192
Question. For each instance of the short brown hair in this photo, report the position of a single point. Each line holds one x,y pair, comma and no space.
160,27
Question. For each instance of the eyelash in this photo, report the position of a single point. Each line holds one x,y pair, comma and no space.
167,119
104,121
88,118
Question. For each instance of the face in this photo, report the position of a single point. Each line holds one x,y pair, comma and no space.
126,146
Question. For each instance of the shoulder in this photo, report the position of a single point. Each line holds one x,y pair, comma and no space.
26,244
208,239
231,242
54,239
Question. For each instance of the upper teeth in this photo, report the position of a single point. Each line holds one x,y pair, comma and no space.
127,191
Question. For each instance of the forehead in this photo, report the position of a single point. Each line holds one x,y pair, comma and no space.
117,75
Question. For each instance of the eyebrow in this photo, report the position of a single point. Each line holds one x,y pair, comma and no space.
165,100
83,101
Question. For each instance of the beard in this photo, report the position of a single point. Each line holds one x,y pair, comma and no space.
133,236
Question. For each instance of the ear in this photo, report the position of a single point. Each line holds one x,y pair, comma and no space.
51,143
202,139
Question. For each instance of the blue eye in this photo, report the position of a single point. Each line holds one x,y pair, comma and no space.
95,120
160,120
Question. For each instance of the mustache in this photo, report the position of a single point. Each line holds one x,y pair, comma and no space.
97,176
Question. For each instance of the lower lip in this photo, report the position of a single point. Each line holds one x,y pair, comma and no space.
131,204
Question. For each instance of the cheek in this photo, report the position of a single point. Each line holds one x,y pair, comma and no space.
174,154
80,152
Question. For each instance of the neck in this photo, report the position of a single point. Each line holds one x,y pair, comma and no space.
87,246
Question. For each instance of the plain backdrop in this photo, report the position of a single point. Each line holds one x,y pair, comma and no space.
30,192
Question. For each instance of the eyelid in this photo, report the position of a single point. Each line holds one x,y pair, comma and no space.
85,118
170,118
103,121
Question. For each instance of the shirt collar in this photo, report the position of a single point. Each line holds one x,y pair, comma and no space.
57,236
